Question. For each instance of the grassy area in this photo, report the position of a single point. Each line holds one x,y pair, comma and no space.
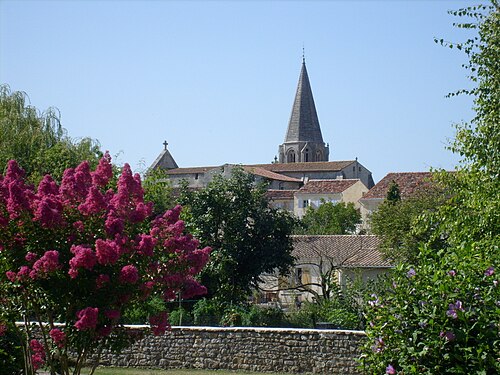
135,371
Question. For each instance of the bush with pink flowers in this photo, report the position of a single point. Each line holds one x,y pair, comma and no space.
81,253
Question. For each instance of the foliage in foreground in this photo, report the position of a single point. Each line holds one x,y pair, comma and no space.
83,253
441,315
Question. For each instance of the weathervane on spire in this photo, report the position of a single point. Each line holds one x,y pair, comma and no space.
303,54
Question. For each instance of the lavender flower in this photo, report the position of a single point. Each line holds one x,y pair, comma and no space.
411,273
390,370
453,308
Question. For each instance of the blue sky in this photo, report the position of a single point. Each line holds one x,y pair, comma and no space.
217,79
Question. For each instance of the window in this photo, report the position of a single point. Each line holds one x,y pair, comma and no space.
318,156
306,155
196,176
298,276
302,276
360,169
291,156
305,203
306,276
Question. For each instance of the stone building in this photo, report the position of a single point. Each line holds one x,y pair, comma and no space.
324,259
303,141
315,192
303,158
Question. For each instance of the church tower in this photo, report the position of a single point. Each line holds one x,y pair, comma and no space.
303,141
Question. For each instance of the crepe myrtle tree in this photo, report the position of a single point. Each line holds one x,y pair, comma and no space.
80,253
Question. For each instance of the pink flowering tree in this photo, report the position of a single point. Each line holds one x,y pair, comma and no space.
75,255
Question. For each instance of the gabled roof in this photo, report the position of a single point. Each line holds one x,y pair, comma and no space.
320,166
326,186
275,194
164,161
269,174
304,124
343,251
408,182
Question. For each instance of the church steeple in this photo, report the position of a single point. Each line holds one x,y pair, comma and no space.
303,140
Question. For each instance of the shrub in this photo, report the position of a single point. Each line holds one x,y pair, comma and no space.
11,354
264,317
440,317
302,318
83,253
180,317
343,319
207,312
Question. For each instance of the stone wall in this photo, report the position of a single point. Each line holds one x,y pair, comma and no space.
252,349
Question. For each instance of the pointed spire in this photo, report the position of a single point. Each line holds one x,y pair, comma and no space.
304,124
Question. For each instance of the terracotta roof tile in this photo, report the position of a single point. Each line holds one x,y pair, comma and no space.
349,251
274,194
306,167
408,182
326,186
269,174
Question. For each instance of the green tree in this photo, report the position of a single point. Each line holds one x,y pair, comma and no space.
393,193
248,238
157,189
441,314
37,140
329,218
395,223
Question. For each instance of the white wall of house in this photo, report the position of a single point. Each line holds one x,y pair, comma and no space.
367,207
301,201
350,195
282,204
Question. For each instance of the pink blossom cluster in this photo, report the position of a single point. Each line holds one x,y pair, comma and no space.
37,354
129,274
87,318
159,323
84,257
99,242
58,336
49,262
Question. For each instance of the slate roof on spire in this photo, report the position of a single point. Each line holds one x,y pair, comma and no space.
304,124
